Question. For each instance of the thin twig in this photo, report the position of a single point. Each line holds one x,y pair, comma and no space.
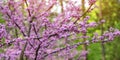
84,13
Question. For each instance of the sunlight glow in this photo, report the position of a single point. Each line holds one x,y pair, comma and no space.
57,8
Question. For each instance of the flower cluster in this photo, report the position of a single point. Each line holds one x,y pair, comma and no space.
92,2
2,31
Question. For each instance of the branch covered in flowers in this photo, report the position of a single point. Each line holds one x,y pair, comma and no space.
29,32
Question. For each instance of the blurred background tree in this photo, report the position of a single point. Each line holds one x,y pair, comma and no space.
109,10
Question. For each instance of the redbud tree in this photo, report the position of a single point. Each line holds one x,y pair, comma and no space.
30,33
